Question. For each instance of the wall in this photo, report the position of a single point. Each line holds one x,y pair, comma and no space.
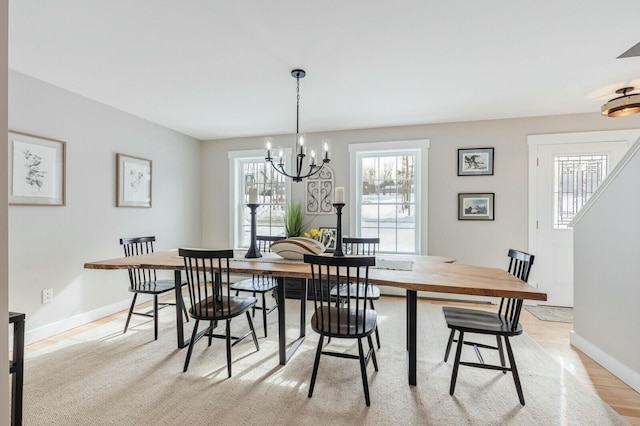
474,242
48,246
4,296
606,270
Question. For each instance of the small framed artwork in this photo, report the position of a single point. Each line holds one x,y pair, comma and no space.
476,206
475,161
328,237
133,181
36,170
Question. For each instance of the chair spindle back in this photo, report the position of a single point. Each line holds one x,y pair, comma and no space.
360,246
264,242
519,266
331,318
134,247
209,298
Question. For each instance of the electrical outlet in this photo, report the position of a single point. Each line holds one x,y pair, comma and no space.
47,295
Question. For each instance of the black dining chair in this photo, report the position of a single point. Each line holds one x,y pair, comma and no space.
144,281
260,284
211,300
359,247
502,324
352,320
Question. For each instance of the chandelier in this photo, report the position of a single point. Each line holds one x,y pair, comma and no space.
301,148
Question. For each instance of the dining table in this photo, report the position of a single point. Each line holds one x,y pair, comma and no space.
438,274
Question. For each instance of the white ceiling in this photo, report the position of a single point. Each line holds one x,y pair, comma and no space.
217,69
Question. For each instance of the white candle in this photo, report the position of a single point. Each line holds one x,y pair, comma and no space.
253,195
312,162
339,195
268,157
325,153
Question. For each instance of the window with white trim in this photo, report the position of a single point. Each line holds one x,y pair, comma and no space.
250,170
387,201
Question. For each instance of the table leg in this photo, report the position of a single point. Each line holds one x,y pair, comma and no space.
285,354
177,276
412,335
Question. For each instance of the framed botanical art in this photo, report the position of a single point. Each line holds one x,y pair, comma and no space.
133,181
475,161
476,206
36,170
328,237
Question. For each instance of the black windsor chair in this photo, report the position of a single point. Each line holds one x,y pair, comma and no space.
144,281
353,320
211,301
502,324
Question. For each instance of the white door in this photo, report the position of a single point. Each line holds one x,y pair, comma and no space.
565,177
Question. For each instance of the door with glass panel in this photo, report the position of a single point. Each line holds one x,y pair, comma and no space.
567,176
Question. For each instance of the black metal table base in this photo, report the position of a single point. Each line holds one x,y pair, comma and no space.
412,335
284,352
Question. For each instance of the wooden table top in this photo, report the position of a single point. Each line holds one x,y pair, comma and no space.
429,273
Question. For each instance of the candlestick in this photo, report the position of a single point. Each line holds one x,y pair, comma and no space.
339,207
253,196
339,196
254,250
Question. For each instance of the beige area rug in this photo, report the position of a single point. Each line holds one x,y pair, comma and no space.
102,377
551,313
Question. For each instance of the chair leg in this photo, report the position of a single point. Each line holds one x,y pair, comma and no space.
253,310
501,353
377,333
315,365
133,303
264,313
363,372
514,370
184,309
253,331
456,362
191,343
229,347
210,332
155,317
373,353
446,353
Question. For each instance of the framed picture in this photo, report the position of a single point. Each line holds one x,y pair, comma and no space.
475,161
133,181
328,237
36,170
476,206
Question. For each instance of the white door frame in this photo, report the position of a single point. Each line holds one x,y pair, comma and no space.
534,141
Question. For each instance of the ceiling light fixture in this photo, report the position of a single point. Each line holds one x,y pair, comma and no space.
301,149
622,105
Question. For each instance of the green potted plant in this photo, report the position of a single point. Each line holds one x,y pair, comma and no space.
293,220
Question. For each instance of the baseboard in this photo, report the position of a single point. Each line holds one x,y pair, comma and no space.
66,324
620,370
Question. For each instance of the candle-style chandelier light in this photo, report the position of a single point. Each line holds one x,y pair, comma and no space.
301,149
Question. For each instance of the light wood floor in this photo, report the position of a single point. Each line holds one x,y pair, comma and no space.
552,336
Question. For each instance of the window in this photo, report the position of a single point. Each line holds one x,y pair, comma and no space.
576,179
387,194
250,170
